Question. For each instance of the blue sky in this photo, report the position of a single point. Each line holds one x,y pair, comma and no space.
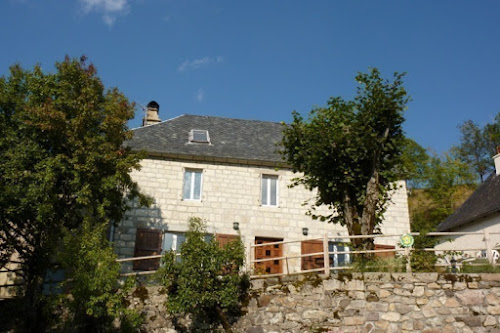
264,59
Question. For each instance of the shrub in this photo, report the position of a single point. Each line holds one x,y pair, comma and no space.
205,281
94,298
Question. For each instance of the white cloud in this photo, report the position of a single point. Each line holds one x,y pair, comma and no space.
200,95
109,9
197,63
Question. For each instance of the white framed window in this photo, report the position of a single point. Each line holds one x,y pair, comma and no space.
269,190
192,184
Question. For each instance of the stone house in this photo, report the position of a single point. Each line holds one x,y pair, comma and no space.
479,213
228,172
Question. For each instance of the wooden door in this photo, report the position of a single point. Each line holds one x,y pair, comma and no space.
268,252
147,243
224,239
312,246
385,254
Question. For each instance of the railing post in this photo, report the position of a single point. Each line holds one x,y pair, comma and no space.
326,256
408,260
250,258
489,249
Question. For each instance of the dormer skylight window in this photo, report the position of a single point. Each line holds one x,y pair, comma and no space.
199,136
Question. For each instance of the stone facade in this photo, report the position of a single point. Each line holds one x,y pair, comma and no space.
369,302
231,193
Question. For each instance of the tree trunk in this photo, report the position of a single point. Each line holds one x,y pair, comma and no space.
351,219
35,269
368,218
223,319
33,305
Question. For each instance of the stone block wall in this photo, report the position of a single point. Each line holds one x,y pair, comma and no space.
369,302
231,193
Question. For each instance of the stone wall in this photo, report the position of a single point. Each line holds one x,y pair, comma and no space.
231,193
369,302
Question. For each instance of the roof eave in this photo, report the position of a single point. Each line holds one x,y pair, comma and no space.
227,160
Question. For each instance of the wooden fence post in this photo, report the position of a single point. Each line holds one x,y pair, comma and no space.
250,258
326,256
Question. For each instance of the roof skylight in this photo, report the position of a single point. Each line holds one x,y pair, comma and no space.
199,136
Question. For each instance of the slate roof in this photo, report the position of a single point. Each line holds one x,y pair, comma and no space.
483,202
249,140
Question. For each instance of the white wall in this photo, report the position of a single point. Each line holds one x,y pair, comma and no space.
491,223
231,193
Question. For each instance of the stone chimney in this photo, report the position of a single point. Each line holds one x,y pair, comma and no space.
151,114
496,158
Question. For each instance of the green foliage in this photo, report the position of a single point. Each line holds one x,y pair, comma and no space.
205,281
350,151
61,162
378,264
95,297
479,266
491,133
415,164
478,145
448,182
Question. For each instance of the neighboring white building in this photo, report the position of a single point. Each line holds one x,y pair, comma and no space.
479,213
227,172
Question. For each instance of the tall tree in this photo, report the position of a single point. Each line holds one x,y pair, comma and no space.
491,133
350,151
473,148
415,164
61,163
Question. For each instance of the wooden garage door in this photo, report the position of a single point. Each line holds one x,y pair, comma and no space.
147,243
312,262
268,252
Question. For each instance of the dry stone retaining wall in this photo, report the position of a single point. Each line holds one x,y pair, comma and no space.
369,302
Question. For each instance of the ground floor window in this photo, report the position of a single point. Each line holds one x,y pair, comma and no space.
339,259
318,261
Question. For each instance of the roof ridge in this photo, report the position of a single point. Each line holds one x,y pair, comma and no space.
228,118
161,122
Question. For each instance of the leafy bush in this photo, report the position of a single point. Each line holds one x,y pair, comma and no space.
479,266
94,297
205,281
379,264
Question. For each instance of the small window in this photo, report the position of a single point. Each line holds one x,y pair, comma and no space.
269,194
199,136
192,185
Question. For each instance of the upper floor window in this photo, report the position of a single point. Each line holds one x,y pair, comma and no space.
200,136
192,184
269,196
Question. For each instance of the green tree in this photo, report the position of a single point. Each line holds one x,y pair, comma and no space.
473,148
478,145
491,133
61,163
446,183
205,281
415,164
350,151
